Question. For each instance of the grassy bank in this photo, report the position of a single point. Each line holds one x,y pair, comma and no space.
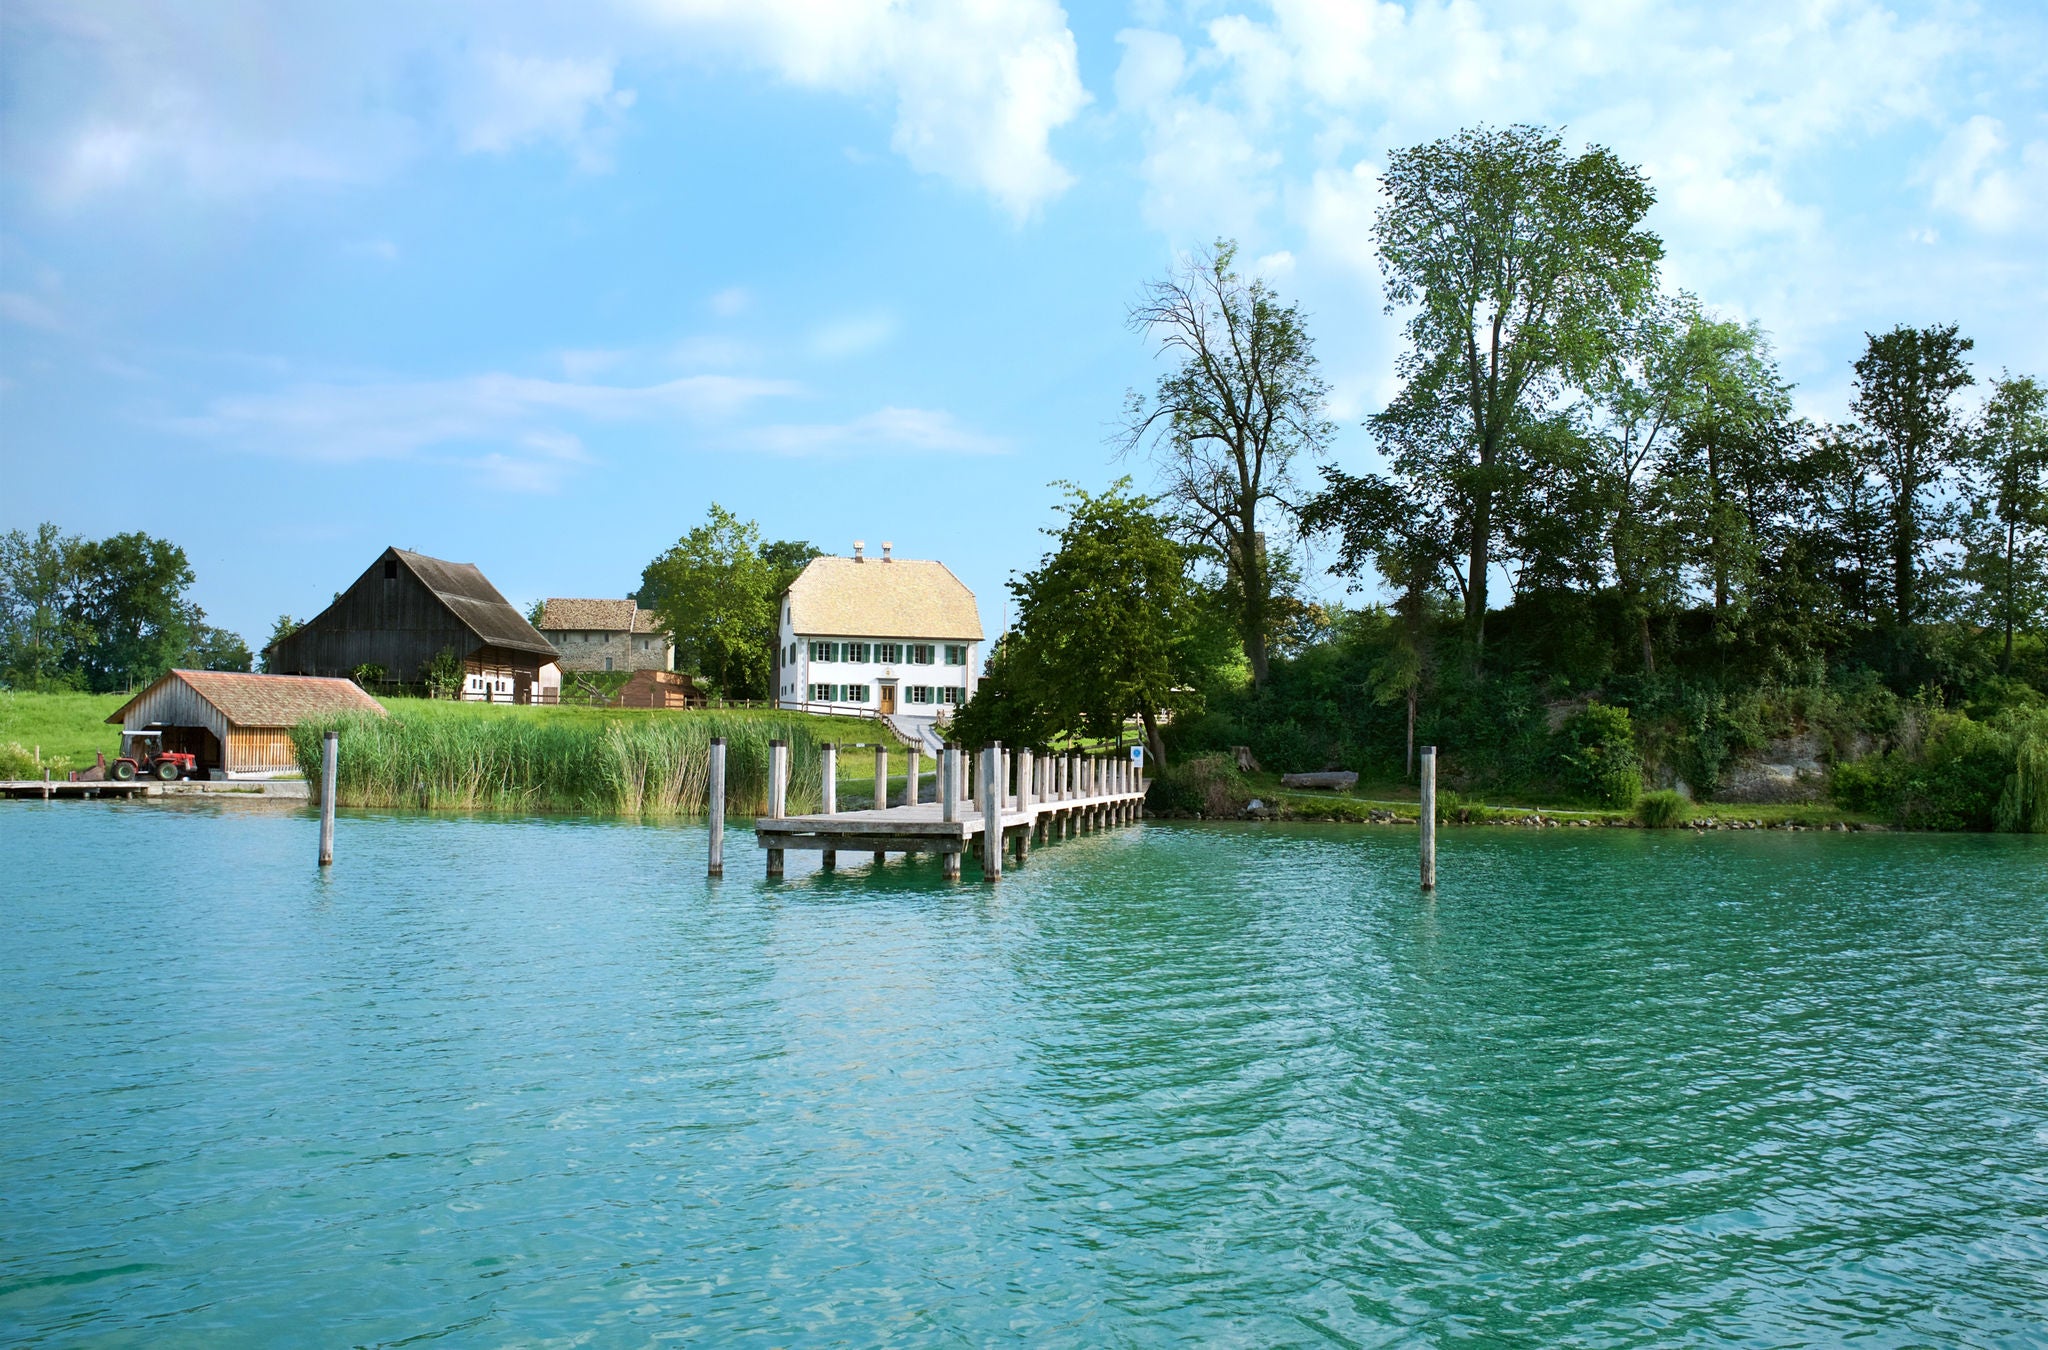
602,761
70,729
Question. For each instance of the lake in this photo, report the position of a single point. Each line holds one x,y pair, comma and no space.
539,1082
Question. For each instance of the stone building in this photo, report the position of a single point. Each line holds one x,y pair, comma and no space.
606,635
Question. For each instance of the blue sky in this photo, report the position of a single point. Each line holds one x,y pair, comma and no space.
530,286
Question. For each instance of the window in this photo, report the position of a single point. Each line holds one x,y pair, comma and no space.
921,653
824,651
888,653
919,693
856,693
853,651
956,654
391,569
954,695
827,693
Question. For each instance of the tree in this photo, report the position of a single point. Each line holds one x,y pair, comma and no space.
714,593
38,574
2006,528
1224,426
130,596
1106,618
1522,266
1906,383
283,628
217,649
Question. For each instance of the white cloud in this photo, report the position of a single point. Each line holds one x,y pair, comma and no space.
916,429
731,301
1971,176
29,312
499,421
979,87
501,102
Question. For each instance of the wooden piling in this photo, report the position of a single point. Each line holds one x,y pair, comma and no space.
992,813
330,753
911,787
715,866
828,757
1426,815
778,795
949,805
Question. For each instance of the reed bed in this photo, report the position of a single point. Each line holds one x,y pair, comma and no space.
645,765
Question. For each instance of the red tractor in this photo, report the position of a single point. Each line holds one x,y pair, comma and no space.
142,752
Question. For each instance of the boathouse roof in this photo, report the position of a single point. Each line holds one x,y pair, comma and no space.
246,700
602,616
899,598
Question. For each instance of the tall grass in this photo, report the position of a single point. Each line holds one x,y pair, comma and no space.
645,765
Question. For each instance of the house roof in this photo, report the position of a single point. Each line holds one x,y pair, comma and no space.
266,700
842,597
604,616
471,598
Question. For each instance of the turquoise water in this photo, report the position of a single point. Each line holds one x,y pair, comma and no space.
539,1083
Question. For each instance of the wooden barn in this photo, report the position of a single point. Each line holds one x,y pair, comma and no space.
659,689
407,609
238,723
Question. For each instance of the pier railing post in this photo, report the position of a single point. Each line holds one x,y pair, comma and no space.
330,753
715,863
1426,815
992,813
778,795
881,787
828,804
911,773
949,807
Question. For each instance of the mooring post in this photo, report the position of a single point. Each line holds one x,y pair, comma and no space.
949,807
1025,765
992,812
828,761
881,788
330,751
911,774
1427,817
715,860
778,795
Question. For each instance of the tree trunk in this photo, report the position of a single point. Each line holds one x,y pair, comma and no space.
1475,573
1155,747
1409,772
1649,652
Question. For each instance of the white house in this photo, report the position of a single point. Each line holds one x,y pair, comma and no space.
892,636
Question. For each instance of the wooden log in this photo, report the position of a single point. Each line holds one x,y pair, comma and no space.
330,753
715,861
1342,781
1427,816
992,813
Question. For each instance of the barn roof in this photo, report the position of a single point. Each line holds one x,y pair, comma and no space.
471,598
265,700
606,616
904,598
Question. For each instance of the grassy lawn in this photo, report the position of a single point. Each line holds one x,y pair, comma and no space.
69,728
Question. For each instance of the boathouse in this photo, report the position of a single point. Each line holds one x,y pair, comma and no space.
660,689
237,723
889,636
406,610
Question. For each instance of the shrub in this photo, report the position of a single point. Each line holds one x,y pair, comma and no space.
17,761
1596,755
1207,785
1663,810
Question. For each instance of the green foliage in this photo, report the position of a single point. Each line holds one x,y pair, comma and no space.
716,593
1960,775
1597,756
70,727
370,673
2023,806
217,649
1205,785
442,673
1011,702
1663,810
18,762
285,626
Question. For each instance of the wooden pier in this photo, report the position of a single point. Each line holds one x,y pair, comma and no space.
50,789
1036,800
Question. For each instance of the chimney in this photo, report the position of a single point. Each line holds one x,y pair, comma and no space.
858,545
886,546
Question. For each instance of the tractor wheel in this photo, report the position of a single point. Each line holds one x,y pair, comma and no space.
121,770
167,770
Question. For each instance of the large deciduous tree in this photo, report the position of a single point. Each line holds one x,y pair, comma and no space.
38,575
2006,529
1225,425
715,595
129,596
1906,386
1106,618
1522,266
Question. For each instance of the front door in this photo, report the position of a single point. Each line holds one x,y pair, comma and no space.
888,699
